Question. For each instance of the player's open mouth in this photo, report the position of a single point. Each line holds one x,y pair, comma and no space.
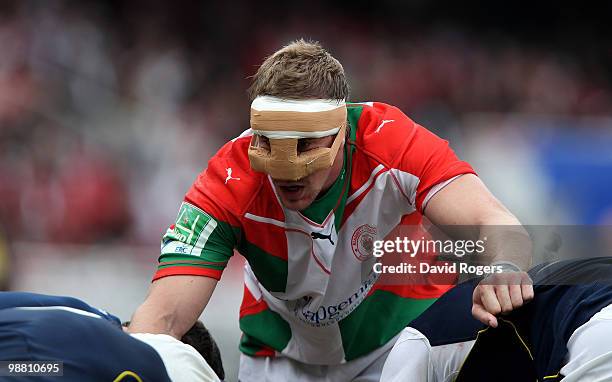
292,191
291,188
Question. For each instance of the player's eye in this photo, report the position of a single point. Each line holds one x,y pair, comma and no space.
261,142
306,145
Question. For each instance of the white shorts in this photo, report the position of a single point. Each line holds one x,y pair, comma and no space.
589,355
363,369
414,359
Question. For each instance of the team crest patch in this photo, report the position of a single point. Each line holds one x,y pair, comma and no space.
362,242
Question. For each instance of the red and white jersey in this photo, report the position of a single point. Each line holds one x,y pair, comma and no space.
310,290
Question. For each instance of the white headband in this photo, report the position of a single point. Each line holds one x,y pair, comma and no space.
295,134
269,103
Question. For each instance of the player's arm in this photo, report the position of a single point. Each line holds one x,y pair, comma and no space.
452,197
467,202
173,305
194,253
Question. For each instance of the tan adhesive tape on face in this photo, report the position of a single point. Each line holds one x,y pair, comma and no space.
286,121
284,163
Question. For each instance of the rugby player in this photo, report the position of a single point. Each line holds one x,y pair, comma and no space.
92,345
564,333
301,195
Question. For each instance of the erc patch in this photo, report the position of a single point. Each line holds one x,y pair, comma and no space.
192,228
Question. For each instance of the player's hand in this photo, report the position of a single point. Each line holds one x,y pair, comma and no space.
500,293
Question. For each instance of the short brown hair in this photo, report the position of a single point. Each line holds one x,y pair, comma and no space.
300,70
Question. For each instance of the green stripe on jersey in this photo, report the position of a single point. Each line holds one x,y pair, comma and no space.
171,263
250,345
353,114
376,320
271,271
266,327
320,208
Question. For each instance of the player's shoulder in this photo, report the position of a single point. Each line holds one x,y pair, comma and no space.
228,180
9,300
382,130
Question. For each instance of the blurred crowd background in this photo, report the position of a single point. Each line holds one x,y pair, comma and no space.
109,110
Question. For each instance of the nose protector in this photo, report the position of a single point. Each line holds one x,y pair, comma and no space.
284,122
283,162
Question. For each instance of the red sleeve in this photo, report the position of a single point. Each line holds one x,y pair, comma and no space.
201,240
207,228
432,160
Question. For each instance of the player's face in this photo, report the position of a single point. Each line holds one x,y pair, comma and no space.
299,194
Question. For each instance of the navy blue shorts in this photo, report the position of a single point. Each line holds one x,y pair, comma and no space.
567,294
